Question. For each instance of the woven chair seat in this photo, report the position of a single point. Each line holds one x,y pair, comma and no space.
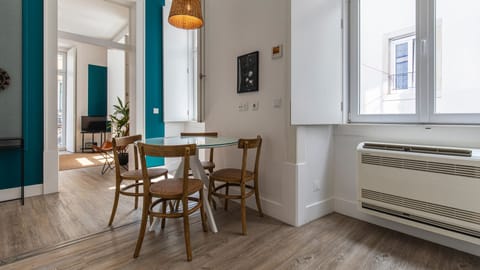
137,174
231,175
173,188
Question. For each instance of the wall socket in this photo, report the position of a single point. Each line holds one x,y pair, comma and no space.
255,105
243,107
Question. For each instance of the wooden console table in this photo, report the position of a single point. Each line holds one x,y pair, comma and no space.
11,144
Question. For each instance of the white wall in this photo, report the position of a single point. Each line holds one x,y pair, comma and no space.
315,146
116,78
235,28
10,53
86,55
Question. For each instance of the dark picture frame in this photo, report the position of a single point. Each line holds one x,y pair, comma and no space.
247,72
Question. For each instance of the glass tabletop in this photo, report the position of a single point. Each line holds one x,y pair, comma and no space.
200,141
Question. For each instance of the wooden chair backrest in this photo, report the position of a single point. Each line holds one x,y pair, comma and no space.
196,134
199,134
121,143
150,150
247,144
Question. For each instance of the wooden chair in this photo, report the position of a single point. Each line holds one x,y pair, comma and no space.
135,175
207,165
106,151
239,177
171,190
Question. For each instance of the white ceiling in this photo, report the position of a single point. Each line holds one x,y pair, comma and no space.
93,18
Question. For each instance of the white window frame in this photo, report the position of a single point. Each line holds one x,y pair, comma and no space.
393,42
425,73
63,72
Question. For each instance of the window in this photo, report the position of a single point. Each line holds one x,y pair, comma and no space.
181,83
415,61
61,98
402,67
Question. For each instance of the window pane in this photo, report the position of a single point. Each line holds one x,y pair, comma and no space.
457,56
60,61
387,57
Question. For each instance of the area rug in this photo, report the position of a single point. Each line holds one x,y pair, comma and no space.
79,160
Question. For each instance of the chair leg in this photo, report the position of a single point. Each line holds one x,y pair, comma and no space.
186,226
243,209
136,197
226,194
164,211
202,211
257,198
150,217
104,168
141,234
115,202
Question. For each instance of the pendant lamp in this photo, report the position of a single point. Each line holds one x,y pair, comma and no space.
186,14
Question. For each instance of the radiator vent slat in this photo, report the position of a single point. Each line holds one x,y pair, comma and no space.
441,210
422,165
420,149
423,220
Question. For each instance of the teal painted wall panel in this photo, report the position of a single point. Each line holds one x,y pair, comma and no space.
154,123
11,169
97,90
32,81
32,103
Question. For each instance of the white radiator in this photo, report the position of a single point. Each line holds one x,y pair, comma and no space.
433,188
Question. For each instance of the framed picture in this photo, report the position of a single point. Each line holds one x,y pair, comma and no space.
247,73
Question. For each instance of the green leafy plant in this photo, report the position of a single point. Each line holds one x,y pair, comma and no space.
120,119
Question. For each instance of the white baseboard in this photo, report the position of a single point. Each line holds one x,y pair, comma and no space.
15,193
350,208
316,210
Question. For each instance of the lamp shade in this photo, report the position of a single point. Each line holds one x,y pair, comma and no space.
186,14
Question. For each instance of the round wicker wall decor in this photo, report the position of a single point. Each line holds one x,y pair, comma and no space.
4,79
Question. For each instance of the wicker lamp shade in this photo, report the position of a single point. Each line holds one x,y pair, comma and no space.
186,14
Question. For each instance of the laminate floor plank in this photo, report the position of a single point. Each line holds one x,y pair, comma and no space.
81,207
29,234
332,242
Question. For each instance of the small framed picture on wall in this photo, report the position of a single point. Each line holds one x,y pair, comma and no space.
247,72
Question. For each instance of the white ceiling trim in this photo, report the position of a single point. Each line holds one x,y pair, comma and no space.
94,41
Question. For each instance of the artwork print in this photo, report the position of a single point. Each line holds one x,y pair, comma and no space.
247,73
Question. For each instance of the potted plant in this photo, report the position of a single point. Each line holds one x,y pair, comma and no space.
120,126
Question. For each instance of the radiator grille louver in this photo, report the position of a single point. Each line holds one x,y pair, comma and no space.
423,220
422,165
441,210
420,149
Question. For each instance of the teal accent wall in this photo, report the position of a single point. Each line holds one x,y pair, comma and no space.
97,90
32,62
32,102
154,124
10,167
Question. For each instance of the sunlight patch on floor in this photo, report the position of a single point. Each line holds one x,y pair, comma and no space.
84,161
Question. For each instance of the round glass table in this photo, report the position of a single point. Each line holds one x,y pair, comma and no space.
202,142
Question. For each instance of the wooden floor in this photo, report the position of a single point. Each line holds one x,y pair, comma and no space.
82,207
333,242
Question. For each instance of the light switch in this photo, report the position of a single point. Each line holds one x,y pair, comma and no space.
277,103
156,111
